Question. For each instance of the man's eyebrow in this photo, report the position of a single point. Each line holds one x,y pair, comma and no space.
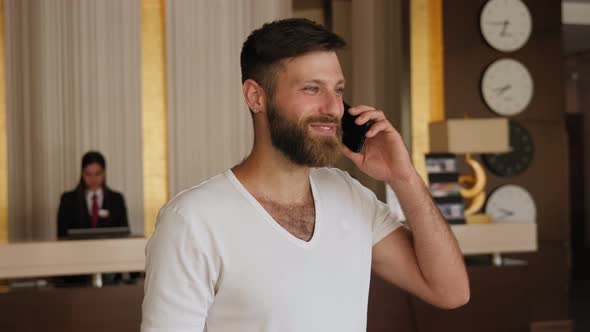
318,81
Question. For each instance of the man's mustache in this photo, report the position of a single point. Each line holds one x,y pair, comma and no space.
322,119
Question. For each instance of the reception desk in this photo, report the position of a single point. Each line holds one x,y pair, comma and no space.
112,308
499,296
44,259
58,258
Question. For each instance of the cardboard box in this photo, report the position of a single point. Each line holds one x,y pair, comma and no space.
470,136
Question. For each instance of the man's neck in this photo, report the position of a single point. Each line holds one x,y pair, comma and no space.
270,175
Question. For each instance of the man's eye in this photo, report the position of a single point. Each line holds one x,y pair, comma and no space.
312,88
340,91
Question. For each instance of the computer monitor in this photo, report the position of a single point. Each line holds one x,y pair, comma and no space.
96,233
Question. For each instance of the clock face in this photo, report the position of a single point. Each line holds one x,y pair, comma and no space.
518,159
511,203
506,25
507,87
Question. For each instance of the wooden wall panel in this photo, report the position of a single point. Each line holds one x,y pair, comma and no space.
548,280
389,309
112,308
466,57
499,302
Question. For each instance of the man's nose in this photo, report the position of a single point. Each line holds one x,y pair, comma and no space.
333,106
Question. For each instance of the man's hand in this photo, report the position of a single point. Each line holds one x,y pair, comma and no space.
384,156
427,260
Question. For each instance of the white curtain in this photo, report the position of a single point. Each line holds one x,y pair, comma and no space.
378,72
209,125
73,84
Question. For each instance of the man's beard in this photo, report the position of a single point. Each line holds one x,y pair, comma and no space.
297,144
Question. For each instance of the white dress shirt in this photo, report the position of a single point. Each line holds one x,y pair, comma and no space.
99,199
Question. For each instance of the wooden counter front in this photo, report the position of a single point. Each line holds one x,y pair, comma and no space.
72,309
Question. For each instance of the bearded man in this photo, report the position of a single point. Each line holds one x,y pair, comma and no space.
282,242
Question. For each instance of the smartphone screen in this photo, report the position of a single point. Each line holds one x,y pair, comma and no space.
353,135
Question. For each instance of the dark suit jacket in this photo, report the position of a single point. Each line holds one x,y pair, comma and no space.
73,211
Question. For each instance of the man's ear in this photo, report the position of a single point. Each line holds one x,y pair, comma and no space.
254,95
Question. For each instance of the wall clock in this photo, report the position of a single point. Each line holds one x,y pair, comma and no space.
518,159
506,25
511,203
507,87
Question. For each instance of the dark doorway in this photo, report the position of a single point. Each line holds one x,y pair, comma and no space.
577,79
580,249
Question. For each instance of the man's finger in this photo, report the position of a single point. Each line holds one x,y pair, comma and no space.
375,115
378,127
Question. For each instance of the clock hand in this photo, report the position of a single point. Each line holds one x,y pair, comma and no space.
497,22
500,90
504,26
504,215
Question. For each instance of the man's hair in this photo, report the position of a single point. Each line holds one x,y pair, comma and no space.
264,49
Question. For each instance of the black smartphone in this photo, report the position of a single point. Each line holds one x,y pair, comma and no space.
353,135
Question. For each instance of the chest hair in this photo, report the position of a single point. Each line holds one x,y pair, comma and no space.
297,219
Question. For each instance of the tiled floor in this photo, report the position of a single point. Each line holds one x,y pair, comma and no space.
580,305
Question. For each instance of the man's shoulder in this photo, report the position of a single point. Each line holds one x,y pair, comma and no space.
204,197
198,212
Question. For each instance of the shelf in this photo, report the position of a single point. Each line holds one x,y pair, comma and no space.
496,238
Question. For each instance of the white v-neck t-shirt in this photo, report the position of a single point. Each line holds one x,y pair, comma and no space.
218,261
